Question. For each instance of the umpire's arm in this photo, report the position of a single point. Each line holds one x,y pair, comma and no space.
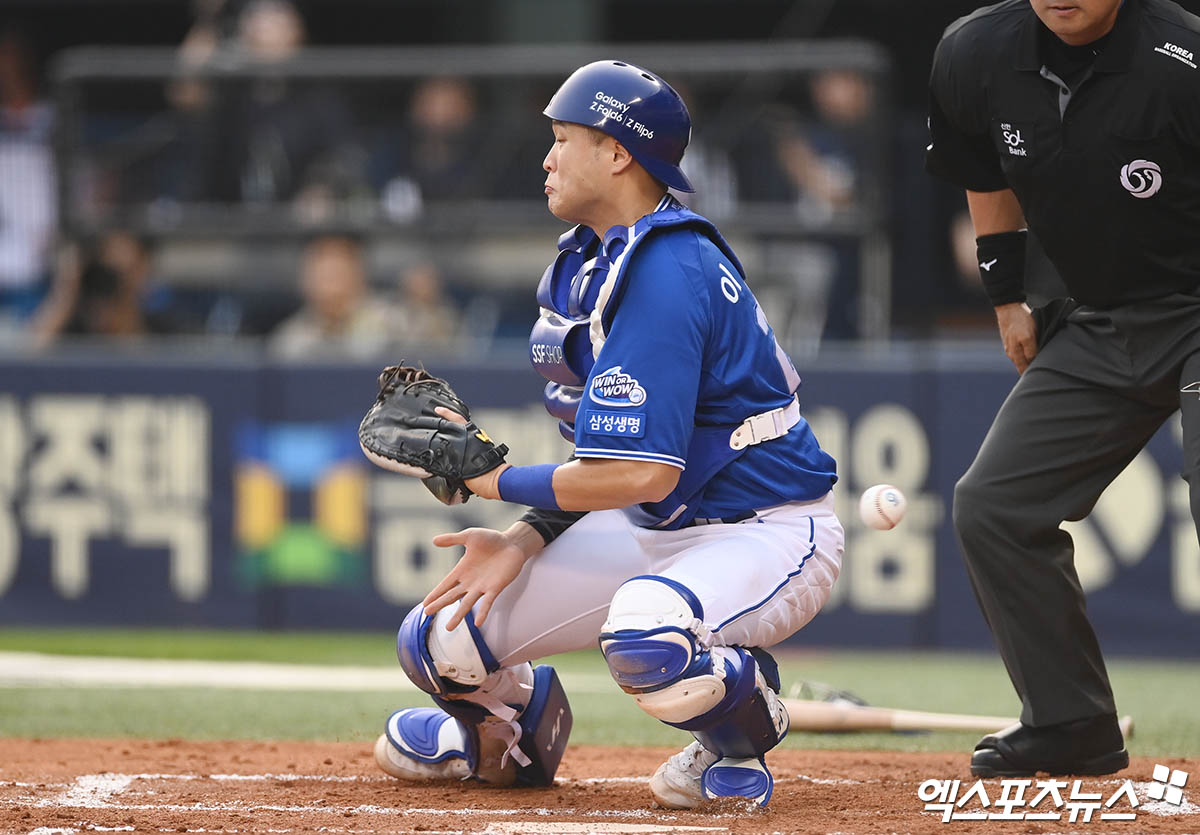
961,151
997,218
995,212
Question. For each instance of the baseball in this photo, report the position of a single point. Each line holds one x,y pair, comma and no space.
882,507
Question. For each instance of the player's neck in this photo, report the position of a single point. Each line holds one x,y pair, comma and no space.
627,212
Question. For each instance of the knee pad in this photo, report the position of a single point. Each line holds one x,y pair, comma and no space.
524,708
655,634
658,649
439,662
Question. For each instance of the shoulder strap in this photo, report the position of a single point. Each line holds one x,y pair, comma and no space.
620,242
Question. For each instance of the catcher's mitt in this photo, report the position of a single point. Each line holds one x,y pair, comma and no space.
401,432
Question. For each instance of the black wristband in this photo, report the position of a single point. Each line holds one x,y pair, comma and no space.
1002,266
551,523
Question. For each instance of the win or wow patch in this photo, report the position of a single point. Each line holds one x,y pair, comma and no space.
616,388
621,424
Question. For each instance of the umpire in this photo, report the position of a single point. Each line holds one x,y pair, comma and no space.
1080,120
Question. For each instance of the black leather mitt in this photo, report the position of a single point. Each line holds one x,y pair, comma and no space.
403,433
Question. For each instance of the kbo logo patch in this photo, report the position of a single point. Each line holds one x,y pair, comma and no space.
616,388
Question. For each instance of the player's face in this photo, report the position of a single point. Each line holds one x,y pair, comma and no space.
1077,22
575,173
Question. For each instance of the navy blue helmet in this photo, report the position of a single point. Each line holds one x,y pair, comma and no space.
633,106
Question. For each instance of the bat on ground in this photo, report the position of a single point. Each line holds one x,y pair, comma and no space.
820,717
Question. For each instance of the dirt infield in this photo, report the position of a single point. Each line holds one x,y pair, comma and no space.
64,786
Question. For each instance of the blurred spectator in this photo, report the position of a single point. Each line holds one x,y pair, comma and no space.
706,163
267,139
828,160
201,42
422,315
824,166
825,158
437,155
338,316
106,290
132,258
27,181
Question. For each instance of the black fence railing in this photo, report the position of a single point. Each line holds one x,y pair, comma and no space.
437,151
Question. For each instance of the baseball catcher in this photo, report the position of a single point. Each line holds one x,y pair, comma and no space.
692,528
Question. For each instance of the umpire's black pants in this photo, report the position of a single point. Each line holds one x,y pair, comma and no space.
1100,387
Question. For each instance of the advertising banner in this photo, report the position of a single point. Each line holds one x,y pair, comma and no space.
235,495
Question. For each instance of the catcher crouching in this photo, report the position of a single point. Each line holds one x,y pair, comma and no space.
692,528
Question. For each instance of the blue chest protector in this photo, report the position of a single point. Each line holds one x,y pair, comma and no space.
561,344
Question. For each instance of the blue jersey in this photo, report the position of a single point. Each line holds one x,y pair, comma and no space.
686,357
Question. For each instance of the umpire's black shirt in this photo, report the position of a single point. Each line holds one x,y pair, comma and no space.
1106,166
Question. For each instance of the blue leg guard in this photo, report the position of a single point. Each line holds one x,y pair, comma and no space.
518,713
424,743
427,735
747,723
659,650
743,723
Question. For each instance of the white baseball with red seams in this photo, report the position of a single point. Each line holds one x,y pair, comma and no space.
882,507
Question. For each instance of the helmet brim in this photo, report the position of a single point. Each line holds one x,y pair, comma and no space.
672,175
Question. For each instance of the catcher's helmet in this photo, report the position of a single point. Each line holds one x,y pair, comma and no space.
633,106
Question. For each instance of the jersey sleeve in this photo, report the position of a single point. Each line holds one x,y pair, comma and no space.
639,402
960,149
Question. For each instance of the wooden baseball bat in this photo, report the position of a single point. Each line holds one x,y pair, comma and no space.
818,717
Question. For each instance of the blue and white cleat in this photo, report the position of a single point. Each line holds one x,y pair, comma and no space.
732,777
697,775
424,743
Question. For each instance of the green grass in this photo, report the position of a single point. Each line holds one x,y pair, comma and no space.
1163,696
354,648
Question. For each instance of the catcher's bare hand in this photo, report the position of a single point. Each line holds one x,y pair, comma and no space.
1018,333
492,561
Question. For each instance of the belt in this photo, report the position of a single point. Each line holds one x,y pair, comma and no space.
766,426
722,520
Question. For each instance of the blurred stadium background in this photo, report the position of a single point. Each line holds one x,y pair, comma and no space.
220,218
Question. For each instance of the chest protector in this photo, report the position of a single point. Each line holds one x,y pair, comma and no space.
578,295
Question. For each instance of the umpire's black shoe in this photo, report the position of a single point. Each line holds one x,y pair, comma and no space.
1086,747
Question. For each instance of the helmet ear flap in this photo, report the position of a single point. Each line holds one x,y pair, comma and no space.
643,113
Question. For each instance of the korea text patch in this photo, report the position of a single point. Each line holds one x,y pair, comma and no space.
621,424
